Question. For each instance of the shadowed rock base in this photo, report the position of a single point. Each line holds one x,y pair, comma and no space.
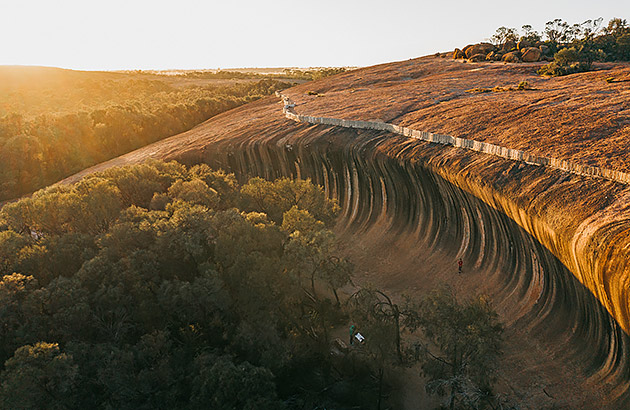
387,189
551,248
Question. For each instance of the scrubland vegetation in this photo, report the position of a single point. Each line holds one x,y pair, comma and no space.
314,74
157,286
575,47
568,48
54,122
287,74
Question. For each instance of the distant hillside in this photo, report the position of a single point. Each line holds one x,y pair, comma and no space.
31,91
54,122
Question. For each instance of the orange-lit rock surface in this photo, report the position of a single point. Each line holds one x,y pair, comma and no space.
580,117
551,248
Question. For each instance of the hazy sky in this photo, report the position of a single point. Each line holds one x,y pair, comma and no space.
156,34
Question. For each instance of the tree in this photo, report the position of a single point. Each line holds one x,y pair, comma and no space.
137,184
38,376
617,27
275,198
530,35
311,264
375,308
224,385
134,296
50,131
623,46
21,157
557,31
310,250
503,35
465,343
224,184
145,375
567,56
10,246
383,321
101,203
590,28
14,290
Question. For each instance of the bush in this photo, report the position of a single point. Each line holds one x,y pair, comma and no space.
623,47
570,61
553,69
566,56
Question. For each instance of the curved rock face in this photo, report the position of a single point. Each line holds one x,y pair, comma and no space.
384,181
550,248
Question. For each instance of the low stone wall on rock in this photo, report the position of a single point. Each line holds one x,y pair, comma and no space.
473,145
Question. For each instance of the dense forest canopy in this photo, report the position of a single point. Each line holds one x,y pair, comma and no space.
158,286
32,91
56,122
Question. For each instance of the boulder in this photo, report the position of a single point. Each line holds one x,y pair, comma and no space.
523,44
531,54
466,49
494,56
508,46
481,48
512,57
544,49
458,54
477,58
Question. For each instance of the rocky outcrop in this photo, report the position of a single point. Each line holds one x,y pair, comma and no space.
494,56
503,152
544,49
531,54
508,46
510,52
481,48
477,58
512,57
435,200
523,44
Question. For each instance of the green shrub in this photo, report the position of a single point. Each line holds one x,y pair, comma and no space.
571,60
566,56
623,47
554,69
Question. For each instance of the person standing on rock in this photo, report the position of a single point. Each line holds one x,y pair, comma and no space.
352,330
460,264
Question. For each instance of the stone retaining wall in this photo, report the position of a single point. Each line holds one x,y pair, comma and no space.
473,145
